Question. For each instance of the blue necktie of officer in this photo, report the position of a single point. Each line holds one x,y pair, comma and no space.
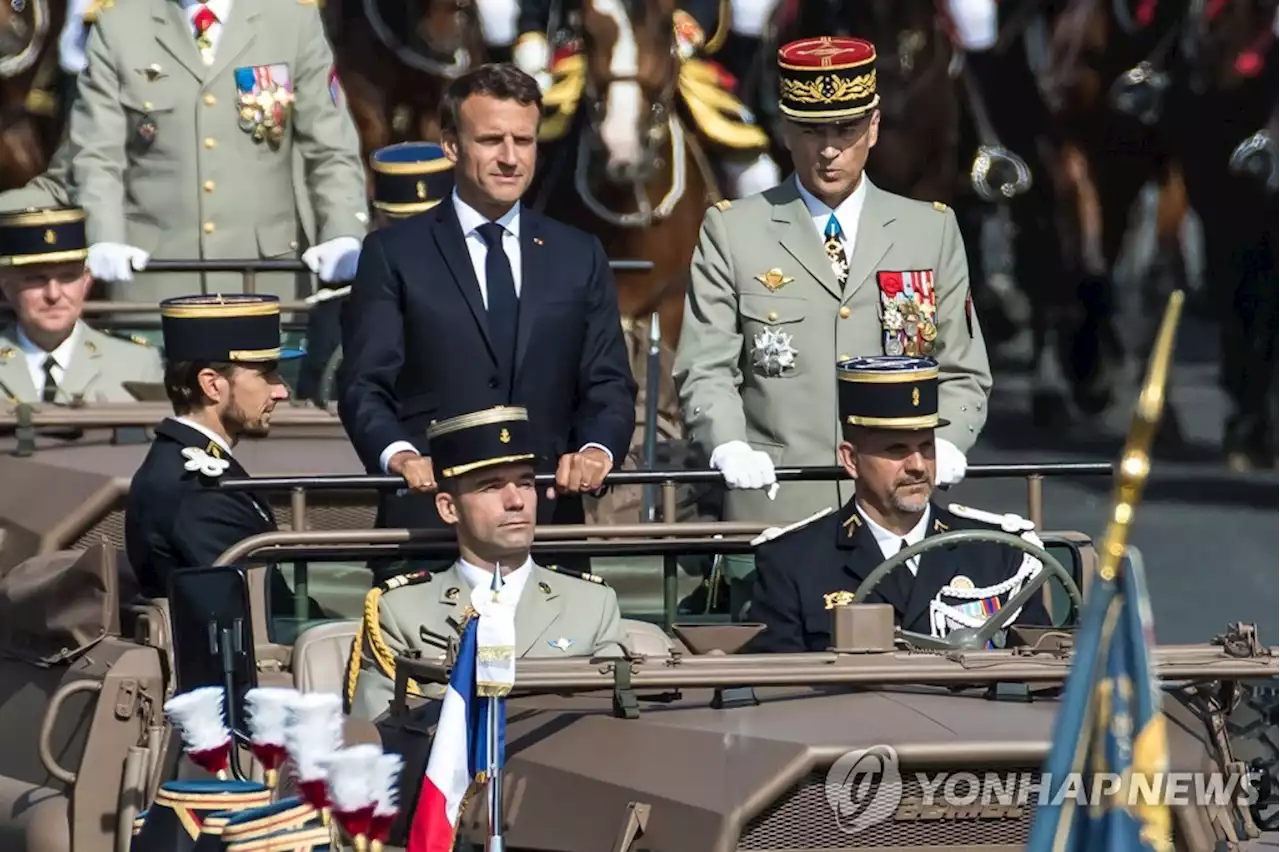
504,306
833,242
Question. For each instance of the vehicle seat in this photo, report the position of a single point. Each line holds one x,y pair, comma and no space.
320,656
645,638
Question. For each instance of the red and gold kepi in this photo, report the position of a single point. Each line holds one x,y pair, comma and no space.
827,79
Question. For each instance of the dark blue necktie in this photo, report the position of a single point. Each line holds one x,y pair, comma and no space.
504,307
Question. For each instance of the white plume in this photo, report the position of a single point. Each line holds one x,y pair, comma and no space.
386,784
198,717
351,776
268,711
313,732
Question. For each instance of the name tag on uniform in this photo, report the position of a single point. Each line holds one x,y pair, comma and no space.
265,101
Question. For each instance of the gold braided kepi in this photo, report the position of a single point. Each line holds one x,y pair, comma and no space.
827,79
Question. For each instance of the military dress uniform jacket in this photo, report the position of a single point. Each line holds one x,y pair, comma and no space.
167,157
179,518
802,575
759,267
97,372
558,615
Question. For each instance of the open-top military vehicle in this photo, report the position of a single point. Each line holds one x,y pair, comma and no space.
687,745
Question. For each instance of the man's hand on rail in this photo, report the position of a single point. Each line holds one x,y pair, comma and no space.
115,261
416,470
334,260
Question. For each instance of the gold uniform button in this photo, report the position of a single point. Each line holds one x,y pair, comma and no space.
773,316
844,312
208,186
208,227
209,142
147,105
210,100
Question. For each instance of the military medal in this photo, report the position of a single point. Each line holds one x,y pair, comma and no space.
144,135
908,305
265,101
773,352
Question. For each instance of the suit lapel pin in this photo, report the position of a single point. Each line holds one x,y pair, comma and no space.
544,588
561,644
537,241
774,280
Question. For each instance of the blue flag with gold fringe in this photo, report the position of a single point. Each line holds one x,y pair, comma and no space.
1105,772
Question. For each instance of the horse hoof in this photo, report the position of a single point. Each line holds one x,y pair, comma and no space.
1049,411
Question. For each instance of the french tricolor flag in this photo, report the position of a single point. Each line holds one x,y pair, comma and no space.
470,730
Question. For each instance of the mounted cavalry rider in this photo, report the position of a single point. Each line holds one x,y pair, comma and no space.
487,494
888,414
700,27
222,354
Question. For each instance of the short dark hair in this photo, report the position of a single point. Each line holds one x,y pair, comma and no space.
182,384
503,81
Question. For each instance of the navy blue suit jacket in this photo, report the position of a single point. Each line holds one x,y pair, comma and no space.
416,343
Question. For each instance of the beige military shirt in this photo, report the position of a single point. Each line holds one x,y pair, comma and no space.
557,615
89,366
191,156
766,321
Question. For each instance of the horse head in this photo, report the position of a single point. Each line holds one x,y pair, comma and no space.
439,37
632,73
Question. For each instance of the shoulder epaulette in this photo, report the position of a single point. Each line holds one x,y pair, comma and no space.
940,207
777,532
409,578
723,204
96,9
1008,522
130,338
581,575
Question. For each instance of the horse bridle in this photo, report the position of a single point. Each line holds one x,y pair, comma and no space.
664,124
449,69
21,62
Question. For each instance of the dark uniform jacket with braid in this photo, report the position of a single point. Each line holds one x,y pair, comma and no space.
558,615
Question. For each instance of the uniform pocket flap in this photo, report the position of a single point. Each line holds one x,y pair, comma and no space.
773,310
277,239
148,99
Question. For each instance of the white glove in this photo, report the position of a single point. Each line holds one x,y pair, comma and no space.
744,467
532,55
334,260
115,261
975,22
750,16
73,38
951,462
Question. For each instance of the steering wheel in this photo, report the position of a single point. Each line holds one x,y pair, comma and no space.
974,638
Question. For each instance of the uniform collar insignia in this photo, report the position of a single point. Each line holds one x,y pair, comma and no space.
201,462
544,588
835,599
939,526
561,644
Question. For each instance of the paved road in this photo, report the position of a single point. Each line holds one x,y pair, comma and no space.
1208,536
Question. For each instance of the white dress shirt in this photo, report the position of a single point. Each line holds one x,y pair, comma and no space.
221,9
890,542
480,579
848,214
62,356
471,219
209,433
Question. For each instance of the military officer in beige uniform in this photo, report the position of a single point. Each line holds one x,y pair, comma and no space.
487,494
183,136
49,355
823,267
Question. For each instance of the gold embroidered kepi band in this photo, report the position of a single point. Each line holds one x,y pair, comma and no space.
889,392
236,328
827,79
28,237
410,177
494,436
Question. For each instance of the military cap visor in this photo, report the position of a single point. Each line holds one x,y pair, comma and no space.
889,392
236,328
481,439
410,177
826,80
30,237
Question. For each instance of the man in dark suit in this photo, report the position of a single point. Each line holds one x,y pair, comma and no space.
888,411
221,376
482,302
